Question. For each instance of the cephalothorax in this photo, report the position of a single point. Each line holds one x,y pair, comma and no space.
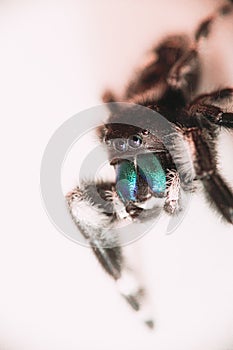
145,166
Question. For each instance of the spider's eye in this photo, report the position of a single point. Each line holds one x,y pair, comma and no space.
145,132
120,145
135,141
107,142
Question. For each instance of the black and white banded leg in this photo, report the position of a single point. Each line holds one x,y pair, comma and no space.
96,209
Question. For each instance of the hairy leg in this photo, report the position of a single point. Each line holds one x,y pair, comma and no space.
184,75
152,76
95,210
217,107
204,157
204,29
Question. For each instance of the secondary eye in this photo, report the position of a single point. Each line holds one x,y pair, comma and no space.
120,145
107,142
135,141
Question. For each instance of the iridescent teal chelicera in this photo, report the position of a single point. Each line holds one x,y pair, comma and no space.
151,170
126,182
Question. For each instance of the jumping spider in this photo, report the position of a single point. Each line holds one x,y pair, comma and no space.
145,168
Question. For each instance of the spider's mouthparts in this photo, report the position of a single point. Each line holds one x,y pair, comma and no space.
132,174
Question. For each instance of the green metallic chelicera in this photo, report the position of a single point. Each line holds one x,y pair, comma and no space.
126,184
149,168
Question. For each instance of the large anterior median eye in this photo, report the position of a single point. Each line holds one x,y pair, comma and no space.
120,145
135,141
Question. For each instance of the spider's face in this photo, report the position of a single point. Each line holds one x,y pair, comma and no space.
127,141
134,153
123,141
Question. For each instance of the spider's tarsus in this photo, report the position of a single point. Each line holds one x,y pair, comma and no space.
133,302
226,9
150,324
204,29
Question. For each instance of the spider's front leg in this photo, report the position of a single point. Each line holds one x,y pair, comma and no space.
96,210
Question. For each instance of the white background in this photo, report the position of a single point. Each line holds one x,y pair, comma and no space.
56,59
